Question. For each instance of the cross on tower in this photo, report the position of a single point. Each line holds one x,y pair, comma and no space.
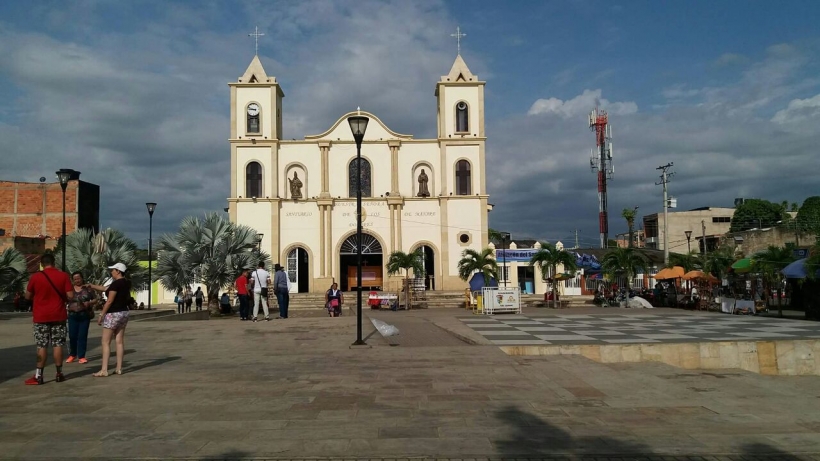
256,36
458,36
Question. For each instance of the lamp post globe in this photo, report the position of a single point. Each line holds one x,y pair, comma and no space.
358,126
64,175
151,207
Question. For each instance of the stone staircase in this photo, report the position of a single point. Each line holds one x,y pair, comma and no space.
431,300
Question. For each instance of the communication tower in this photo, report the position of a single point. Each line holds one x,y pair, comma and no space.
601,159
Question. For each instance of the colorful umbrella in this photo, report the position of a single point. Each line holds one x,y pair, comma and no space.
742,266
670,273
692,275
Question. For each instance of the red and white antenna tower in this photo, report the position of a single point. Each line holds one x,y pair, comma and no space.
601,159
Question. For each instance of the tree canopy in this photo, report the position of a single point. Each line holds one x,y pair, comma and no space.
756,213
808,216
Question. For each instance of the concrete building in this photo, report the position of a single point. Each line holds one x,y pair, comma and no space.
638,239
418,194
713,222
36,209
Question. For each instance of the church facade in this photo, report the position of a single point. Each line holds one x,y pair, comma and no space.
418,194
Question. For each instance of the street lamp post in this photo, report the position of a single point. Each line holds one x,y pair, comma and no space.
259,238
505,237
358,125
151,206
64,174
688,241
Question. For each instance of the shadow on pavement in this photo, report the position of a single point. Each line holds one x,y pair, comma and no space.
153,363
15,361
534,437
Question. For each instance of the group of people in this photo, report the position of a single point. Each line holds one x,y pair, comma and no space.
184,299
58,299
257,283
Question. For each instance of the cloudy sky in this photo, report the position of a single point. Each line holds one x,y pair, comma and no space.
134,95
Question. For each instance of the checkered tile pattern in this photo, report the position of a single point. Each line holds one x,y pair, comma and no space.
508,330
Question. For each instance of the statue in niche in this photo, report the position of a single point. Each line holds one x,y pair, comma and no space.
423,180
295,186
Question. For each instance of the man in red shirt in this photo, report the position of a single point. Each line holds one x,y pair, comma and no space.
242,293
49,290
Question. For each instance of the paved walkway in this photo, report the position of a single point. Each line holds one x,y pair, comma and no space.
627,327
293,389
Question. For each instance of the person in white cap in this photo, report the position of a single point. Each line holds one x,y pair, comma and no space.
114,316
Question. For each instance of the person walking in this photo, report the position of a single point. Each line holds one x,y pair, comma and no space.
334,300
114,317
80,313
261,279
49,290
180,302
281,288
188,298
242,293
199,296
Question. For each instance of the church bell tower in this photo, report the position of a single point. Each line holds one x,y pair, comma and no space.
256,105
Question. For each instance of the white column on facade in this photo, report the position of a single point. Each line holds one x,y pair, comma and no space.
394,166
322,248
324,148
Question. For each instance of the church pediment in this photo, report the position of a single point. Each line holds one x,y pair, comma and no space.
376,130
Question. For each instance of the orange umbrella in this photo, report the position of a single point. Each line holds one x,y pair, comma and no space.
700,275
692,275
670,273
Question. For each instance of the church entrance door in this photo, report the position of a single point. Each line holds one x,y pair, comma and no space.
298,270
428,256
372,263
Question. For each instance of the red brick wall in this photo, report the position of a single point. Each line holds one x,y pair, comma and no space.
27,198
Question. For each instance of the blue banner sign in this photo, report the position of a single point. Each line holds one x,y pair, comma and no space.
801,253
515,255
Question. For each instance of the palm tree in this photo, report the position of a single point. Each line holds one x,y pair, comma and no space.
473,261
92,254
494,236
630,215
13,272
399,260
626,262
719,261
688,261
548,258
211,251
770,262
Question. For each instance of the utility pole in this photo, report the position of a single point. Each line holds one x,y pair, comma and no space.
601,159
703,234
665,175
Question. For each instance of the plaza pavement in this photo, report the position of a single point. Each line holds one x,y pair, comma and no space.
293,389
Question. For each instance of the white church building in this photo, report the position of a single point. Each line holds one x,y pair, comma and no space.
427,194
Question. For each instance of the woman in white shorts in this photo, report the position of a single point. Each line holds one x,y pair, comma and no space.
114,317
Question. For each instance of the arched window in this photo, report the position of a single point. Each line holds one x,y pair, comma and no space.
462,118
253,118
253,180
463,179
364,176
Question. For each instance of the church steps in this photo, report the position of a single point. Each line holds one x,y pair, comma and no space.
434,300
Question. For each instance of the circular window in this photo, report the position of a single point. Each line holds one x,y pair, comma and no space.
462,106
464,238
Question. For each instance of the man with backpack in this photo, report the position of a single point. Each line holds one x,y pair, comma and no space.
49,290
